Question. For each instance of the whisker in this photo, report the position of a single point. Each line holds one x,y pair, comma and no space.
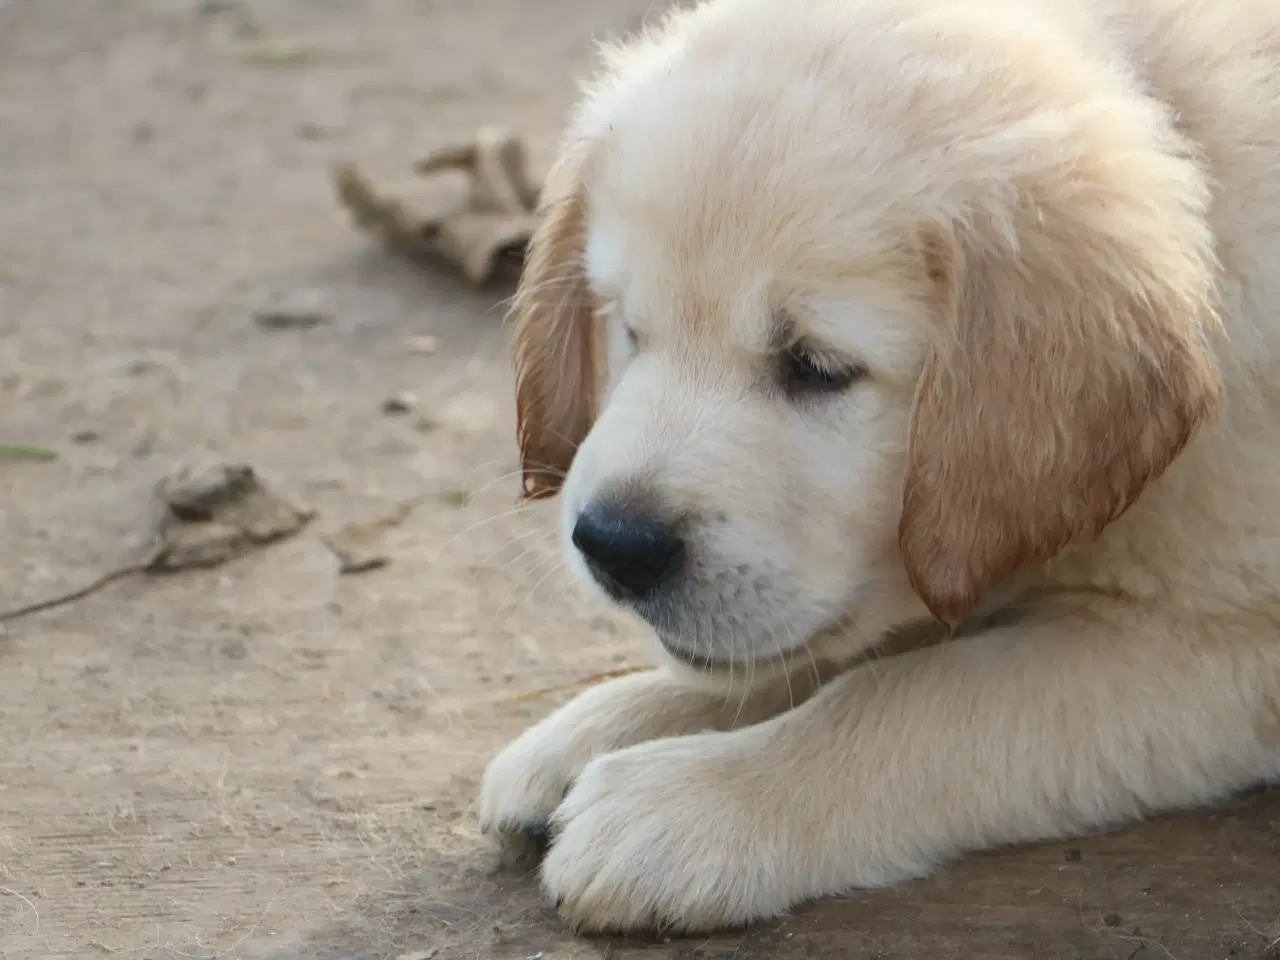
518,509
548,469
534,569
509,475
550,573
813,667
511,542
512,603
786,669
526,552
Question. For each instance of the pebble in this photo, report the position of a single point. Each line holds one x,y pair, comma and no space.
296,310
400,403
424,346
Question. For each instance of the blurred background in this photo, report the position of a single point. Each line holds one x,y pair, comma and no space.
225,761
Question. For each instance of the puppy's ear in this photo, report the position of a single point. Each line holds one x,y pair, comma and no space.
559,348
1070,367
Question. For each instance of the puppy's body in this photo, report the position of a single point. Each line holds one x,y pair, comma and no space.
1205,534
898,310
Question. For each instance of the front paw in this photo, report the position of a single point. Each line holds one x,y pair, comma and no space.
676,836
522,787
526,782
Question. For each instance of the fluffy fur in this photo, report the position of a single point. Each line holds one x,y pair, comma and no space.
1049,232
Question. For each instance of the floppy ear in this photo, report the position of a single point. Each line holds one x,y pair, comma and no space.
558,343
1070,367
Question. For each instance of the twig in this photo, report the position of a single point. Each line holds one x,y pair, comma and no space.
574,684
1261,934
1142,942
62,600
212,517
35,910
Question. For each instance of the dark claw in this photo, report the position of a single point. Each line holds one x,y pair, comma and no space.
539,834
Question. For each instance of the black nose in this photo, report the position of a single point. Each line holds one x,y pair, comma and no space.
630,551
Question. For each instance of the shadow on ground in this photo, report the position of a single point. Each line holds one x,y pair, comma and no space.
1179,887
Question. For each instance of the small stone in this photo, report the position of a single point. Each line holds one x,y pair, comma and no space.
211,8
197,495
358,545
136,368
424,345
217,513
297,310
86,436
312,131
400,403
145,444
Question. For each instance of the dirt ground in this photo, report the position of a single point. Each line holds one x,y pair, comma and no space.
273,760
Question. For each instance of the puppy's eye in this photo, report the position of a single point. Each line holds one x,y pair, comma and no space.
806,373
633,338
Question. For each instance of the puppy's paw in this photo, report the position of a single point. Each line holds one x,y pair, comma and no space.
526,782
522,787
675,836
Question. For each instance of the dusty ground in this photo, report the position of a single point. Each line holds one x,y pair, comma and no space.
269,759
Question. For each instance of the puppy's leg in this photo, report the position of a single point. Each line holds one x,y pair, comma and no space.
1084,718
527,781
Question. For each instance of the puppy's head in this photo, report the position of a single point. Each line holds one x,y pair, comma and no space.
838,318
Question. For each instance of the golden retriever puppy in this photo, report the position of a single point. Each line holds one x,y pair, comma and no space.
849,315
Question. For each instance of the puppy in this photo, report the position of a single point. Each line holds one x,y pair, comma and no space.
854,315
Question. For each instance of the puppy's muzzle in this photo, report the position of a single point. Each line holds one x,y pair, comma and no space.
630,550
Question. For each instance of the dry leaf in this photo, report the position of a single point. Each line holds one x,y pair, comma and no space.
218,513
190,545
491,227
209,517
587,681
358,546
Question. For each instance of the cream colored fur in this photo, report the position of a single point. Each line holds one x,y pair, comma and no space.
1050,232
